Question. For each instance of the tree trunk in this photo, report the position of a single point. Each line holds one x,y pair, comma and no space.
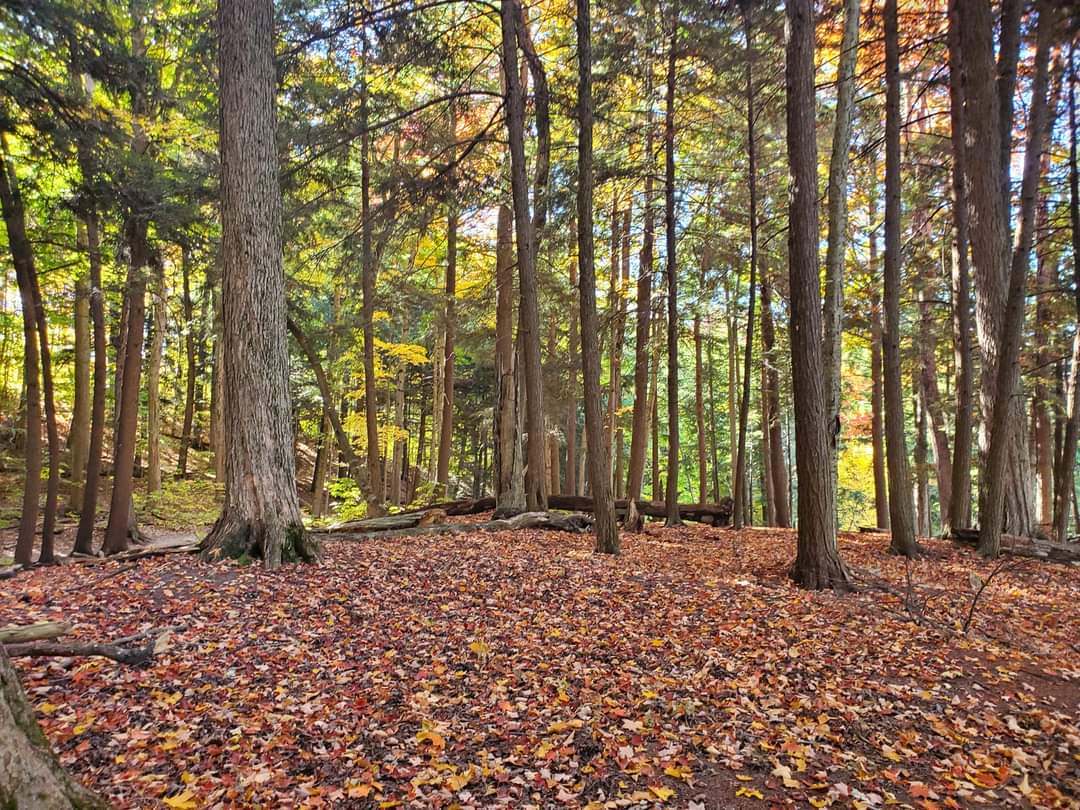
901,518
529,312
30,773
817,563
1006,412
261,516
928,386
22,258
838,215
672,494
639,436
84,539
189,355
607,533
572,387
921,458
777,463
153,383
371,413
743,515
446,421
1066,470
217,393
509,483
121,514
699,413
1012,12
79,433
960,503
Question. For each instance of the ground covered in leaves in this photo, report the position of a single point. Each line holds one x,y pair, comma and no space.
523,670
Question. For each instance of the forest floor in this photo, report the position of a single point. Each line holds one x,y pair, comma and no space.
522,670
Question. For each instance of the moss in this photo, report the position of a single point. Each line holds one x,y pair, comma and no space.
298,545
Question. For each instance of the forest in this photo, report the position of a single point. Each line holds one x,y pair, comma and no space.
458,403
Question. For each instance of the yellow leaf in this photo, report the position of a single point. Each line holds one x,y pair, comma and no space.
750,793
744,777
433,737
47,708
182,801
823,801
479,647
661,792
678,771
459,781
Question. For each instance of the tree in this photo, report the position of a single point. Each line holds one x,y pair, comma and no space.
30,773
817,562
1007,371
672,274
901,518
741,518
529,311
607,532
261,515
837,225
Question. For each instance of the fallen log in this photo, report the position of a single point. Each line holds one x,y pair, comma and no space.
133,656
41,631
716,514
549,521
1017,546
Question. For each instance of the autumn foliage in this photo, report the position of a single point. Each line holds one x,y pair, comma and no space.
521,669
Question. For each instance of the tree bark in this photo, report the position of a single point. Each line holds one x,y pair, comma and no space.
509,484
572,387
817,563
446,421
261,516
699,413
153,383
371,413
960,503
777,464
84,538
79,433
1066,470
742,514
901,516
838,215
190,366
639,436
877,413
1004,423
30,773
607,533
529,312
22,258
672,488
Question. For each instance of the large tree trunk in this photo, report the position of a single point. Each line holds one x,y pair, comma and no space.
30,773
817,563
22,258
960,503
838,215
1007,436
777,463
1066,470
529,312
261,516
928,386
990,254
901,516
509,483
877,413
607,532
672,494
217,393
742,515
84,538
